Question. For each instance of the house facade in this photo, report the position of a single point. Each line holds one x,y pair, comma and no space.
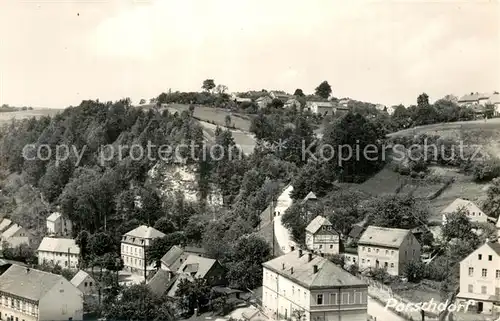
387,248
471,210
322,237
480,278
292,103
321,107
32,295
301,282
133,248
15,235
58,251
263,101
58,225
85,283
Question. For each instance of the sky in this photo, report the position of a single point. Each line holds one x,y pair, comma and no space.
57,53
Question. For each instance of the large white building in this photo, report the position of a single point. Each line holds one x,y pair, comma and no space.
58,225
387,248
32,295
480,278
133,248
303,283
471,210
58,251
322,237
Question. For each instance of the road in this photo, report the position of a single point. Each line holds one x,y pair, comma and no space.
378,311
281,233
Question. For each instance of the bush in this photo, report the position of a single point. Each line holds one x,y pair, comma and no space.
484,171
414,271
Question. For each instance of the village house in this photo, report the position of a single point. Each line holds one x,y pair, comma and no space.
85,283
58,225
172,260
473,99
291,103
199,267
32,295
322,237
15,235
314,287
495,101
388,248
58,251
263,101
322,108
133,248
473,213
281,95
310,198
480,278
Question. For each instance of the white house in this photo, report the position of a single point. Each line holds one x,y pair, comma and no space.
480,278
263,101
133,248
58,251
85,283
58,225
321,107
321,236
312,285
473,213
15,235
387,248
32,295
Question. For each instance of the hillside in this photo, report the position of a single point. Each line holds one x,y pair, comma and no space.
37,112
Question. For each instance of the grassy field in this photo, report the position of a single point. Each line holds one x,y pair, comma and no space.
384,182
216,116
7,116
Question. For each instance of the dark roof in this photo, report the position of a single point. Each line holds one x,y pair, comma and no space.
172,255
329,275
28,283
159,282
356,231
495,247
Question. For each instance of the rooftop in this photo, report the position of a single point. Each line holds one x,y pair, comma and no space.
383,236
300,270
159,282
60,245
495,247
79,278
311,196
54,216
145,232
13,229
172,255
28,283
317,223
459,204
4,224
193,267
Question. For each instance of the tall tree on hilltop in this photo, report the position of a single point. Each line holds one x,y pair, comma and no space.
324,90
208,85
298,92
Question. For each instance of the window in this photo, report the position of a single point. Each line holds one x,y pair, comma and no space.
345,298
331,246
364,248
490,257
362,260
471,271
85,284
479,257
369,250
497,292
484,273
392,252
333,298
293,290
470,288
392,265
321,246
413,252
319,299
498,274
90,283
483,289
386,252
386,265
377,250
358,298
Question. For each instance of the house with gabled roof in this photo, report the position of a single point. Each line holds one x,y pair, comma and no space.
85,283
133,248
173,259
15,235
322,237
471,210
199,267
388,248
29,294
480,278
310,198
320,107
310,283
58,225
58,251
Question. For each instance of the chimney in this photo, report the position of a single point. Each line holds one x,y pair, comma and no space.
283,266
309,257
300,252
291,270
315,269
292,248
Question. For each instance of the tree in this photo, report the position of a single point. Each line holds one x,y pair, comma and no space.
415,271
160,246
299,93
458,226
208,85
142,101
323,90
489,110
245,271
165,225
221,89
397,211
194,294
492,203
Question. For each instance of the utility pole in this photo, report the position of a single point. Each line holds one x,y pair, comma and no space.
69,260
145,265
